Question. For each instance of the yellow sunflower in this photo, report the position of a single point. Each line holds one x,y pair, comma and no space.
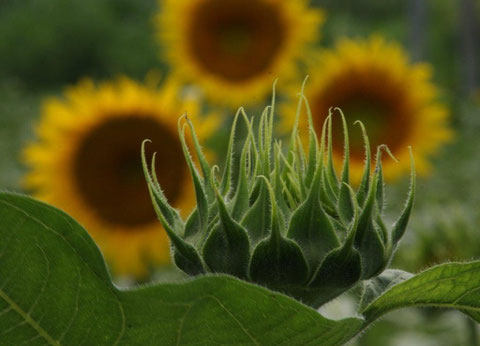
234,49
372,81
87,162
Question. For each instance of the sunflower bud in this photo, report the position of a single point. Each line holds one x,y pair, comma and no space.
284,220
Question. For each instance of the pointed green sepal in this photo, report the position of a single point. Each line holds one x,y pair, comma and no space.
380,197
401,224
278,186
340,271
186,256
345,206
170,215
227,248
310,226
312,146
367,238
200,194
257,219
226,183
330,171
276,261
364,186
342,267
240,201
203,162
193,230
327,194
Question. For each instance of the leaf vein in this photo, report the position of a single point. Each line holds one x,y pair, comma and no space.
28,319
245,330
180,327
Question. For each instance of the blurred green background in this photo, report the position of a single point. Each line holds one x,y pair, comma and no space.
48,44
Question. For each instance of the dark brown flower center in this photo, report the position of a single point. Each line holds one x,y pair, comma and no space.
108,170
235,39
373,99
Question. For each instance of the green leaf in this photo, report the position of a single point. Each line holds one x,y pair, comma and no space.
451,285
55,289
49,292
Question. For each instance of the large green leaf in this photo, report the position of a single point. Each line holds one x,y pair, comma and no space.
451,285
55,289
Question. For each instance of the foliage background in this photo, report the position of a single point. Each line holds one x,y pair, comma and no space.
48,44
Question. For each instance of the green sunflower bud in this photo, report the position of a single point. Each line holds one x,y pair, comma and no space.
284,220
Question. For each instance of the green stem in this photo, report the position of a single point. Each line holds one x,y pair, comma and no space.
472,332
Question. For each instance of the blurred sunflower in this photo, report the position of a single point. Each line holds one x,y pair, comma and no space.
233,49
372,81
87,161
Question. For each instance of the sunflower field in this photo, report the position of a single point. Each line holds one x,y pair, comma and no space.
240,172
